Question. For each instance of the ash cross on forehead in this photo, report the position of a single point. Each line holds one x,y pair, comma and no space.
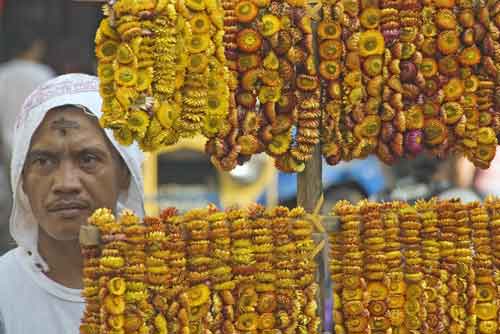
61,125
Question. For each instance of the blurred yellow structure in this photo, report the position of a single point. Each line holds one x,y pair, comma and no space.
256,181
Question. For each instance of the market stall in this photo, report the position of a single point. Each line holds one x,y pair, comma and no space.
300,81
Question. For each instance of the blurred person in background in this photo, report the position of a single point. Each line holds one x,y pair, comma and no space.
66,56
487,181
460,173
25,31
425,177
24,37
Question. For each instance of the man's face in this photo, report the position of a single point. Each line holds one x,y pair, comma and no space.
71,170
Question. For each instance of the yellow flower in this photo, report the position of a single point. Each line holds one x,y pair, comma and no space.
217,105
123,135
138,121
166,137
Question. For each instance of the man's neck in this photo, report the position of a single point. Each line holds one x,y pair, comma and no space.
64,260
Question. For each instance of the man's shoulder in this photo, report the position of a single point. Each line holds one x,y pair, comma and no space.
8,269
8,259
8,265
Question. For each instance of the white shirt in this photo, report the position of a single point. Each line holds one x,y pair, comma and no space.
464,194
32,303
18,78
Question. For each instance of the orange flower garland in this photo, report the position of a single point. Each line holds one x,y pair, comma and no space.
91,320
375,266
456,291
394,257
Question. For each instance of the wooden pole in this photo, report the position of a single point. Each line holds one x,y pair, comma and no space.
309,186
309,193
310,197
309,182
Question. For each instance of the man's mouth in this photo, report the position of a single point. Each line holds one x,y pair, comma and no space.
68,209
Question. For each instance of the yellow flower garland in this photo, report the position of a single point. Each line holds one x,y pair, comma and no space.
160,78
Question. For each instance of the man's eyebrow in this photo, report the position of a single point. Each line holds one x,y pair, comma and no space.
97,149
37,153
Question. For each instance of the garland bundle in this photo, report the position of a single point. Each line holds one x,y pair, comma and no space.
206,271
427,268
390,78
161,66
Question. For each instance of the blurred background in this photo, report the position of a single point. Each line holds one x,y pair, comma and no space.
43,38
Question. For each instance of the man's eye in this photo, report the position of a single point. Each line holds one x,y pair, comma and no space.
41,162
88,160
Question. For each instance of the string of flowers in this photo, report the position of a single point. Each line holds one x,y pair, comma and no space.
441,267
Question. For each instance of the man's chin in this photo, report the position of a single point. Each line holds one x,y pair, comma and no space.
65,235
65,229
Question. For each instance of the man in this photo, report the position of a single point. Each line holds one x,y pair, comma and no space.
426,177
487,181
64,167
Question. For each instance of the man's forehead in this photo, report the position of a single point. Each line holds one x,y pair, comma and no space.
69,123
61,124
69,117
83,131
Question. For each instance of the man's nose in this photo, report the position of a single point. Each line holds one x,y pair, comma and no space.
67,178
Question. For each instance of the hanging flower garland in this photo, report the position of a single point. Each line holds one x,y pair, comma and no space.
232,271
331,72
91,321
435,57
162,70
389,78
375,266
451,241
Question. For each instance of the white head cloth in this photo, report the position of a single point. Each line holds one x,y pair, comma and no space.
70,89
